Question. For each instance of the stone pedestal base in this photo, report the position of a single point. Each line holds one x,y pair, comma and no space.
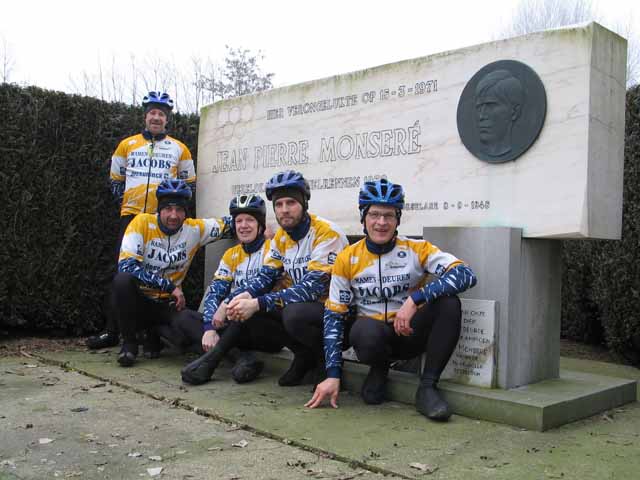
538,406
524,277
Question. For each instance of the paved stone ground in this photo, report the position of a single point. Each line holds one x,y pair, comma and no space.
97,414
57,423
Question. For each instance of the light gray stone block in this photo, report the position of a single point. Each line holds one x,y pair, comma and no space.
523,277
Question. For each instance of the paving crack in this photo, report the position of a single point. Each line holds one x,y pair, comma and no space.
178,402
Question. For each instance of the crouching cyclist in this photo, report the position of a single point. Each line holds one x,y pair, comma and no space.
156,252
220,335
302,253
399,314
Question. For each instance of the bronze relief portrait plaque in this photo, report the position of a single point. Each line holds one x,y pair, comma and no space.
501,111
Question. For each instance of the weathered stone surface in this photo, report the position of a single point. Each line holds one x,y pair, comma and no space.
399,120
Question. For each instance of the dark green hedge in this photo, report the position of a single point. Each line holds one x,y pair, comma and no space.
58,231
601,284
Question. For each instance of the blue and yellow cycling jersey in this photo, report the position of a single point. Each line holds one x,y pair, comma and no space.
303,265
161,261
236,267
140,164
378,284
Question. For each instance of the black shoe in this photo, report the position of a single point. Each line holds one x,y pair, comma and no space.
104,340
431,404
374,388
152,345
201,369
297,370
127,355
247,368
166,337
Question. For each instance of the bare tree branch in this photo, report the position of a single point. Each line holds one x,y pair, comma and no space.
205,82
6,59
535,15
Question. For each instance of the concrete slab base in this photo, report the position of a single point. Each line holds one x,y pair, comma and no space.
538,406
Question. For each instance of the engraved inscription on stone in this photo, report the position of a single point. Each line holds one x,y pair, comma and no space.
473,361
501,111
406,120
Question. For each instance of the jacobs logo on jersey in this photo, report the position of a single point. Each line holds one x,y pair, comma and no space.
384,292
167,258
144,163
331,259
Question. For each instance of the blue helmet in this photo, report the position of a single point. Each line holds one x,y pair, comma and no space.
289,179
173,190
160,100
252,204
380,192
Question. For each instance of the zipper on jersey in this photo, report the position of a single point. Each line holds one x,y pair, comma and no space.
164,270
150,148
293,263
381,291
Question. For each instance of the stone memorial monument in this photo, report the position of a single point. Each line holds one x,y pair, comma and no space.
502,148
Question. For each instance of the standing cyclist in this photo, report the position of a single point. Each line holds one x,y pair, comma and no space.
138,166
399,314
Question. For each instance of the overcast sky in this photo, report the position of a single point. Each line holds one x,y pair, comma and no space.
52,41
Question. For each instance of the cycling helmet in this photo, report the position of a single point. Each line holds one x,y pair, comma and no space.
252,204
380,192
289,179
160,100
289,184
173,192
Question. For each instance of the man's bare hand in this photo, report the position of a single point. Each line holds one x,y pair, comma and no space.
330,388
402,320
241,309
209,340
179,298
220,317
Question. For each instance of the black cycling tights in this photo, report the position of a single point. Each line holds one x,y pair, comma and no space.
111,322
303,322
263,332
134,311
436,330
